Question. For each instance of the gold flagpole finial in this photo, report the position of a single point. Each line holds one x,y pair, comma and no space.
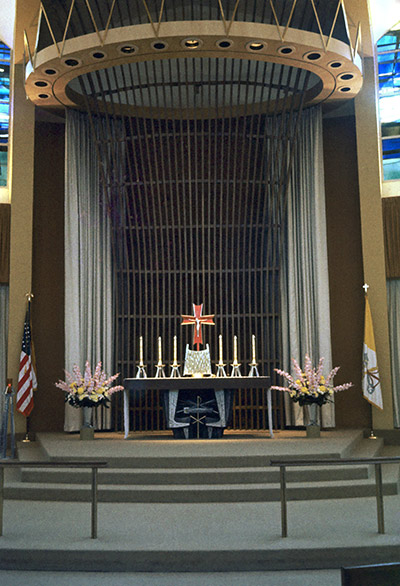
29,296
365,287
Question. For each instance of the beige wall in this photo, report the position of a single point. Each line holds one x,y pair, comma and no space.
21,196
369,170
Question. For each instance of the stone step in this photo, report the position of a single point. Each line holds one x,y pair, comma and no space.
201,493
192,476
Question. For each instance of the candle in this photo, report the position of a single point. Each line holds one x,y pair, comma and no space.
221,359
235,349
253,344
141,350
175,350
159,351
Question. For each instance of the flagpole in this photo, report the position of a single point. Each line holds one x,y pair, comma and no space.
372,435
29,296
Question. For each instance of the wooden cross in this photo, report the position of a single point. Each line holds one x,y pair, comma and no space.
197,320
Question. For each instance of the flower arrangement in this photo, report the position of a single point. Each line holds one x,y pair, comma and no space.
309,385
88,390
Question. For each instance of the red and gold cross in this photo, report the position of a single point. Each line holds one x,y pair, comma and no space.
197,320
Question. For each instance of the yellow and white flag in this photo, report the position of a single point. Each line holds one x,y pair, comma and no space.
371,384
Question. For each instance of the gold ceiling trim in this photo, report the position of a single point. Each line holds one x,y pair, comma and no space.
157,27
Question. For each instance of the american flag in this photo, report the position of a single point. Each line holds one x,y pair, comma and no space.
26,376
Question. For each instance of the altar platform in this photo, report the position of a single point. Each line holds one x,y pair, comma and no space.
199,506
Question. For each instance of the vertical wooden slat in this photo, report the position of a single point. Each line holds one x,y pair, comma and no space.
205,199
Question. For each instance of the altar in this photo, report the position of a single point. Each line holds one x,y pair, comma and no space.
197,407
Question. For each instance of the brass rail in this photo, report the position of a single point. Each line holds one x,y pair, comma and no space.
377,462
94,465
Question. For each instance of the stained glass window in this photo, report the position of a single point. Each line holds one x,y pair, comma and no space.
4,110
389,102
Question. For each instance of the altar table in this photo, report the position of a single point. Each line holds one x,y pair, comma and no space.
222,386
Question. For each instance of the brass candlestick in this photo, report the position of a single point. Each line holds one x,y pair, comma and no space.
235,364
141,370
253,364
220,364
175,366
160,366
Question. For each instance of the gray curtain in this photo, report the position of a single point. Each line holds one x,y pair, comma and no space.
89,312
305,282
393,293
3,344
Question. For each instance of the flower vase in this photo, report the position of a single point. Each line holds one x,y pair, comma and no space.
87,430
311,420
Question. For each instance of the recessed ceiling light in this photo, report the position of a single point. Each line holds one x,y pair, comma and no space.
191,43
224,43
127,49
255,46
159,45
313,56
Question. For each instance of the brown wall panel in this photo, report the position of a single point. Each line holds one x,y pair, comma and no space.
48,275
345,267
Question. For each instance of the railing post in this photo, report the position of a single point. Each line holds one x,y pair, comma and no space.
94,502
282,471
1,498
379,498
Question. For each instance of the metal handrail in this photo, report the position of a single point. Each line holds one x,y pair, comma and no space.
377,462
93,464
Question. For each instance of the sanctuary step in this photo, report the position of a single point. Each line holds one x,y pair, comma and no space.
209,471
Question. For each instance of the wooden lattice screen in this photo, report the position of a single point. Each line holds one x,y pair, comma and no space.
197,200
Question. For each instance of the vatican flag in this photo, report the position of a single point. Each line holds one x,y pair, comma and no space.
371,383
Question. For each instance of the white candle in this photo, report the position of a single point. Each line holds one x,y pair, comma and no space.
141,350
235,349
159,351
253,344
221,359
175,350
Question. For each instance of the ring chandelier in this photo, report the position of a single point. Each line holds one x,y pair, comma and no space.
51,71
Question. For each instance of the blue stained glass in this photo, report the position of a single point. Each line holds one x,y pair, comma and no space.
387,40
385,68
386,58
5,53
391,169
391,148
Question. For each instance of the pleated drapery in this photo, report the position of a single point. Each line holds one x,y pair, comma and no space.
5,218
3,344
89,313
305,279
393,294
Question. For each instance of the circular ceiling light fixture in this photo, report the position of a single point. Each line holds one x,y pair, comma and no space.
286,50
346,76
71,62
127,49
335,64
255,46
191,43
50,71
312,56
98,55
159,45
224,43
